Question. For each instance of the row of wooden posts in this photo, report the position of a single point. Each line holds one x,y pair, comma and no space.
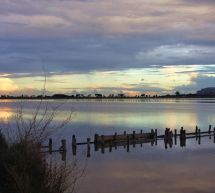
116,140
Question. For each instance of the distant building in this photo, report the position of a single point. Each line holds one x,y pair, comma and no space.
210,91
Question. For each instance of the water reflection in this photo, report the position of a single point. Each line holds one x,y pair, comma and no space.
5,114
169,141
146,168
151,173
166,165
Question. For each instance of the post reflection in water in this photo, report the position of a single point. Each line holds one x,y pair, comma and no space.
151,169
168,140
170,163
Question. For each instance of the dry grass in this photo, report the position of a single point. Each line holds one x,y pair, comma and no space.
23,168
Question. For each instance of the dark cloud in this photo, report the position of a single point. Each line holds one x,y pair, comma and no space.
197,83
194,2
68,55
83,36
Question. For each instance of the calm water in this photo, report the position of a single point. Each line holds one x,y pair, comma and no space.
143,169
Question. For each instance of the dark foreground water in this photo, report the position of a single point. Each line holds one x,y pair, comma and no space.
143,169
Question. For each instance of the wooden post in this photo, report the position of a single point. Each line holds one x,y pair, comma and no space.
199,135
110,146
88,147
133,136
152,137
214,134
166,134
170,139
124,139
103,144
115,137
74,145
134,143
96,138
175,136
63,158
128,143
50,145
181,133
96,142
102,140
63,143
197,130
184,137
209,130
156,136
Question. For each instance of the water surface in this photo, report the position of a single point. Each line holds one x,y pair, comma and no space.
143,169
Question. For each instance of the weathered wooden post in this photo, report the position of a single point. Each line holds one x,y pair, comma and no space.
124,138
110,146
74,142
152,137
175,136
96,142
196,132
214,134
63,145
141,135
209,130
115,137
103,144
184,138
133,136
74,145
166,137
63,158
128,143
199,135
96,138
88,147
50,145
115,140
181,133
156,136
170,139
166,134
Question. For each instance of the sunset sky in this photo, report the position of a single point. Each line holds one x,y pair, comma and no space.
106,46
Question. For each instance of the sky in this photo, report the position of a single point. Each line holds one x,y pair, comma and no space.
106,46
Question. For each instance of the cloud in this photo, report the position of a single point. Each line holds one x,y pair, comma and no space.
7,86
178,54
109,18
81,55
197,83
84,36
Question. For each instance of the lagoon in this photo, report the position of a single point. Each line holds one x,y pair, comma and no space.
142,169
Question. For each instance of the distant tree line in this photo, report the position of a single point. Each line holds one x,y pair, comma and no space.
205,92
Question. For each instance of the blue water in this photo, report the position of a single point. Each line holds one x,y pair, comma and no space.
143,169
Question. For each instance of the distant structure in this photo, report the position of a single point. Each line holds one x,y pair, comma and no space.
210,91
